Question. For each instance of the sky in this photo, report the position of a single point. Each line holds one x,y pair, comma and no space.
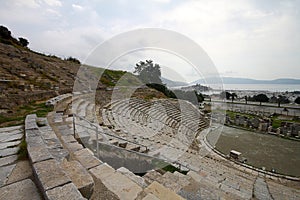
247,38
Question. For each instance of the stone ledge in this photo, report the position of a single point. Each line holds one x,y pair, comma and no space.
38,153
80,177
87,158
30,122
161,192
49,174
65,192
116,183
23,190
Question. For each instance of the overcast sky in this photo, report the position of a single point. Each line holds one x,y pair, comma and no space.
252,38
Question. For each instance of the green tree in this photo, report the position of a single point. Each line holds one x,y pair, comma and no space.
5,33
297,100
148,72
24,42
261,98
233,96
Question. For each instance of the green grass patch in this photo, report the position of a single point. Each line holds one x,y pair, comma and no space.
232,114
18,117
22,153
172,169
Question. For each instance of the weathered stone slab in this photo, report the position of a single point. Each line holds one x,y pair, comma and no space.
23,190
80,177
30,122
137,179
7,129
50,174
175,181
8,137
150,197
59,154
116,182
162,192
38,153
8,160
21,171
32,133
4,173
9,151
65,192
34,140
87,158
68,138
8,144
102,171
74,146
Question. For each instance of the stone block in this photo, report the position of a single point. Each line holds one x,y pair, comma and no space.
116,182
38,153
59,154
30,122
137,179
150,197
80,177
68,138
65,192
9,151
49,174
162,192
8,160
74,146
87,158
23,190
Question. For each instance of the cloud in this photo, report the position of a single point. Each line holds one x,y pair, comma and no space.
53,2
28,3
77,7
251,38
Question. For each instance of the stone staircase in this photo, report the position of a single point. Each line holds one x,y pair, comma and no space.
64,168
15,174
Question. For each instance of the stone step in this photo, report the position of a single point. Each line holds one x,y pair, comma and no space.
114,142
22,190
137,179
86,158
67,191
261,190
114,183
175,181
5,171
133,147
123,144
79,176
49,174
161,192
152,176
11,128
8,160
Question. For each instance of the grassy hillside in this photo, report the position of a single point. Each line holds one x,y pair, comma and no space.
28,79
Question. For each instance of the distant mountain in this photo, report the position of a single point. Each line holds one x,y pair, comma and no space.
171,83
231,80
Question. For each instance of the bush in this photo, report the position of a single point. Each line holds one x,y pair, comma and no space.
297,100
71,59
24,42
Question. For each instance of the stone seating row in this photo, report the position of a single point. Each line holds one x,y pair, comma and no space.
57,99
123,179
51,179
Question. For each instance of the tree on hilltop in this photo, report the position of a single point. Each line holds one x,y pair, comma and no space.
148,72
297,100
5,33
24,42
